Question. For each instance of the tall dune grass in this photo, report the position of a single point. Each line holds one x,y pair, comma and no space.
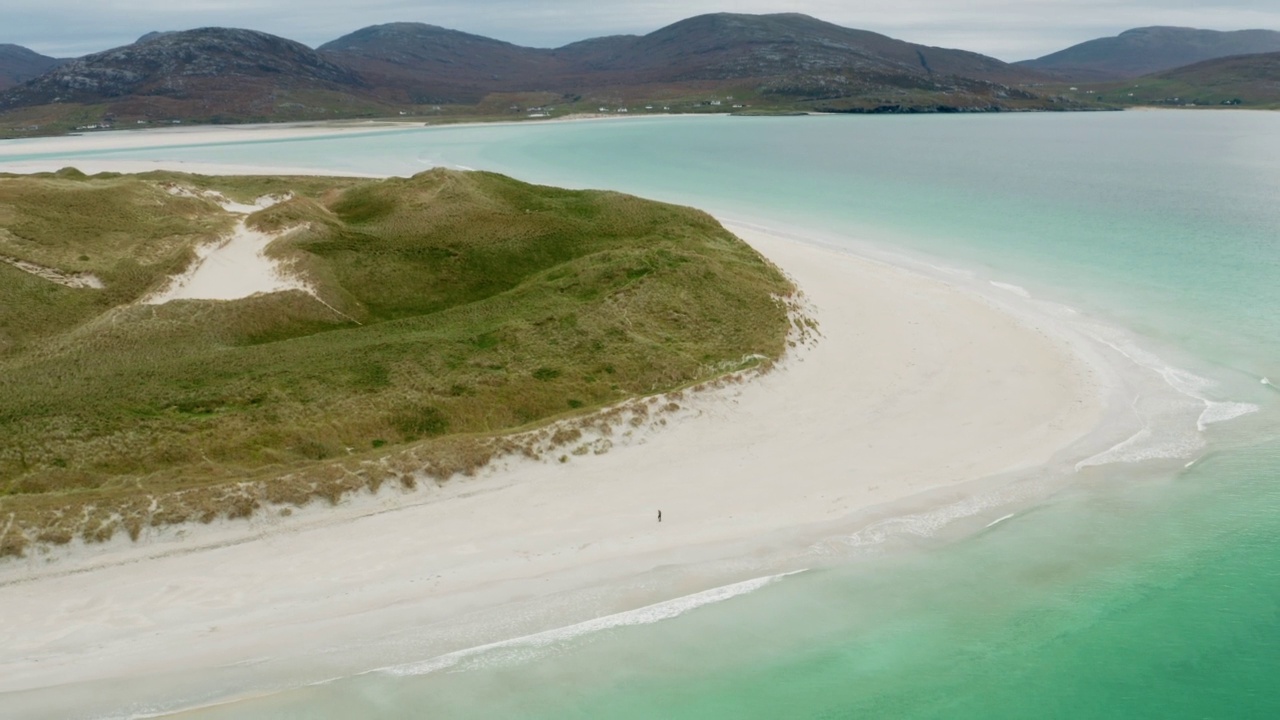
457,307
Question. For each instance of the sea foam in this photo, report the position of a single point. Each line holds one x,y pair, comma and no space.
925,524
1166,427
531,647
1015,289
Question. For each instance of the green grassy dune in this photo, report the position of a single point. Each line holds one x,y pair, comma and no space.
450,309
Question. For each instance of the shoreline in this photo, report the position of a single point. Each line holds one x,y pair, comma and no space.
969,401
239,132
748,476
183,135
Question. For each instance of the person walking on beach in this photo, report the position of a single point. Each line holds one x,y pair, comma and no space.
659,516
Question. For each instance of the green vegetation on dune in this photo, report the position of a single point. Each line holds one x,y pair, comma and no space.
447,307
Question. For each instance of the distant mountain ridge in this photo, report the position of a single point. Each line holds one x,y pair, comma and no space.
184,63
19,64
728,45
1143,51
207,71
785,52
770,62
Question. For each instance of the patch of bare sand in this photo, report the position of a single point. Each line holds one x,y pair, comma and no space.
234,267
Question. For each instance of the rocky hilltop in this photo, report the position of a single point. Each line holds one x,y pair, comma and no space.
238,67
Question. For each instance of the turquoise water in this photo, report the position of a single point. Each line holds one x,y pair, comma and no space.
1139,590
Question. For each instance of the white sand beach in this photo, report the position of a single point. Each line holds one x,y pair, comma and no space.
914,385
168,136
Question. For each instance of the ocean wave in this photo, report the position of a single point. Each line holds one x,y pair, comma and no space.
1140,447
1176,437
926,524
1001,519
531,647
1015,289
1216,412
1194,386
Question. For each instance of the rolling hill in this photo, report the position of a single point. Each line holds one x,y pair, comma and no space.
1143,51
727,46
18,65
786,57
429,64
205,74
1243,81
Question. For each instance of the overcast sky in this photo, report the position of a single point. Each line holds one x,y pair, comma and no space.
1007,29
